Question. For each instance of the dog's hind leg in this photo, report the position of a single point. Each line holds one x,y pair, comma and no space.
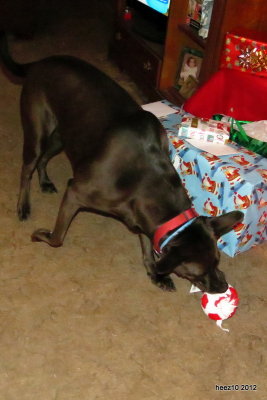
162,281
69,207
53,147
31,154
36,127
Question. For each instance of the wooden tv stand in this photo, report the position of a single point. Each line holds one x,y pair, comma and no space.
154,66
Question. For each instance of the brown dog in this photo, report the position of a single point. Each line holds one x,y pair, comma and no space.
119,156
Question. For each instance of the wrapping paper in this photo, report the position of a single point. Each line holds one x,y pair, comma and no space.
257,130
245,54
204,129
239,135
251,135
221,184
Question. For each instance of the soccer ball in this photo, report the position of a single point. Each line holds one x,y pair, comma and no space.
220,306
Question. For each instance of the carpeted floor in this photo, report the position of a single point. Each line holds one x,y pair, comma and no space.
83,322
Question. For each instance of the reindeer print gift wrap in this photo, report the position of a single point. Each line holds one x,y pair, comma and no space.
221,184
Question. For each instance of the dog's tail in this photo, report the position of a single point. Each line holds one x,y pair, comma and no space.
19,70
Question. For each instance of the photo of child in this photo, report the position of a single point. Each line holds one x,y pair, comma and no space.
187,77
190,67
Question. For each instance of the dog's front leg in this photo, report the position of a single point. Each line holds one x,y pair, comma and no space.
162,281
69,207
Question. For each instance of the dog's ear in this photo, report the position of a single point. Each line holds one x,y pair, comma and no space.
225,223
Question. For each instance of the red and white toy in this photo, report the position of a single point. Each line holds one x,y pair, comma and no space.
219,306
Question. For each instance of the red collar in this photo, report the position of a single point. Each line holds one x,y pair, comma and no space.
172,224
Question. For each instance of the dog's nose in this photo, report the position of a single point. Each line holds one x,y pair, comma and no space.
218,287
223,288
217,282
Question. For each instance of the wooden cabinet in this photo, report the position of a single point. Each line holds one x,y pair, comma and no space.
154,66
139,60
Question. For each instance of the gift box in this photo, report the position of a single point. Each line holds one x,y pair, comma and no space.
204,129
219,184
247,54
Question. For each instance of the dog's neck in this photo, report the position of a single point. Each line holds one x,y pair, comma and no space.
171,228
153,209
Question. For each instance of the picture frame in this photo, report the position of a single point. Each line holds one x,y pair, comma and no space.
187,77
194,12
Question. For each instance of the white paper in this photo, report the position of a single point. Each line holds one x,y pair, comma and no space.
194,289
159,109
218,149
257,130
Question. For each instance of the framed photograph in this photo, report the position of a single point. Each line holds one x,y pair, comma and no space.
194,13
188,72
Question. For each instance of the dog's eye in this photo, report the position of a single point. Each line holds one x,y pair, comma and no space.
189,271
192,269
201,278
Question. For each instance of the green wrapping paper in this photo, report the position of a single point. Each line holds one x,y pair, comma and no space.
239,136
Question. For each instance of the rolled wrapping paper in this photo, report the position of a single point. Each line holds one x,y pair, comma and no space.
219,306
204,129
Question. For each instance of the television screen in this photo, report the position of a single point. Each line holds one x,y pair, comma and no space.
161,6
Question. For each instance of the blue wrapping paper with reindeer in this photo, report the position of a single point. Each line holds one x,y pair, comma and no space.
218,184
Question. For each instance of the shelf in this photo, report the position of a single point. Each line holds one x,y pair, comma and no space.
173,95
193,35
153,66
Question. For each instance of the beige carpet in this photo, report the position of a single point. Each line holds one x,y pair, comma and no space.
83,322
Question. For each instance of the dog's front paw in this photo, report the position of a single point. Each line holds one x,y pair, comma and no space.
163,282
44,235
24,211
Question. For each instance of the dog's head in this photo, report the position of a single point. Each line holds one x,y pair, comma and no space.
194,255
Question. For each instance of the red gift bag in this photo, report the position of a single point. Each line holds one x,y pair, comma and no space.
231,92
